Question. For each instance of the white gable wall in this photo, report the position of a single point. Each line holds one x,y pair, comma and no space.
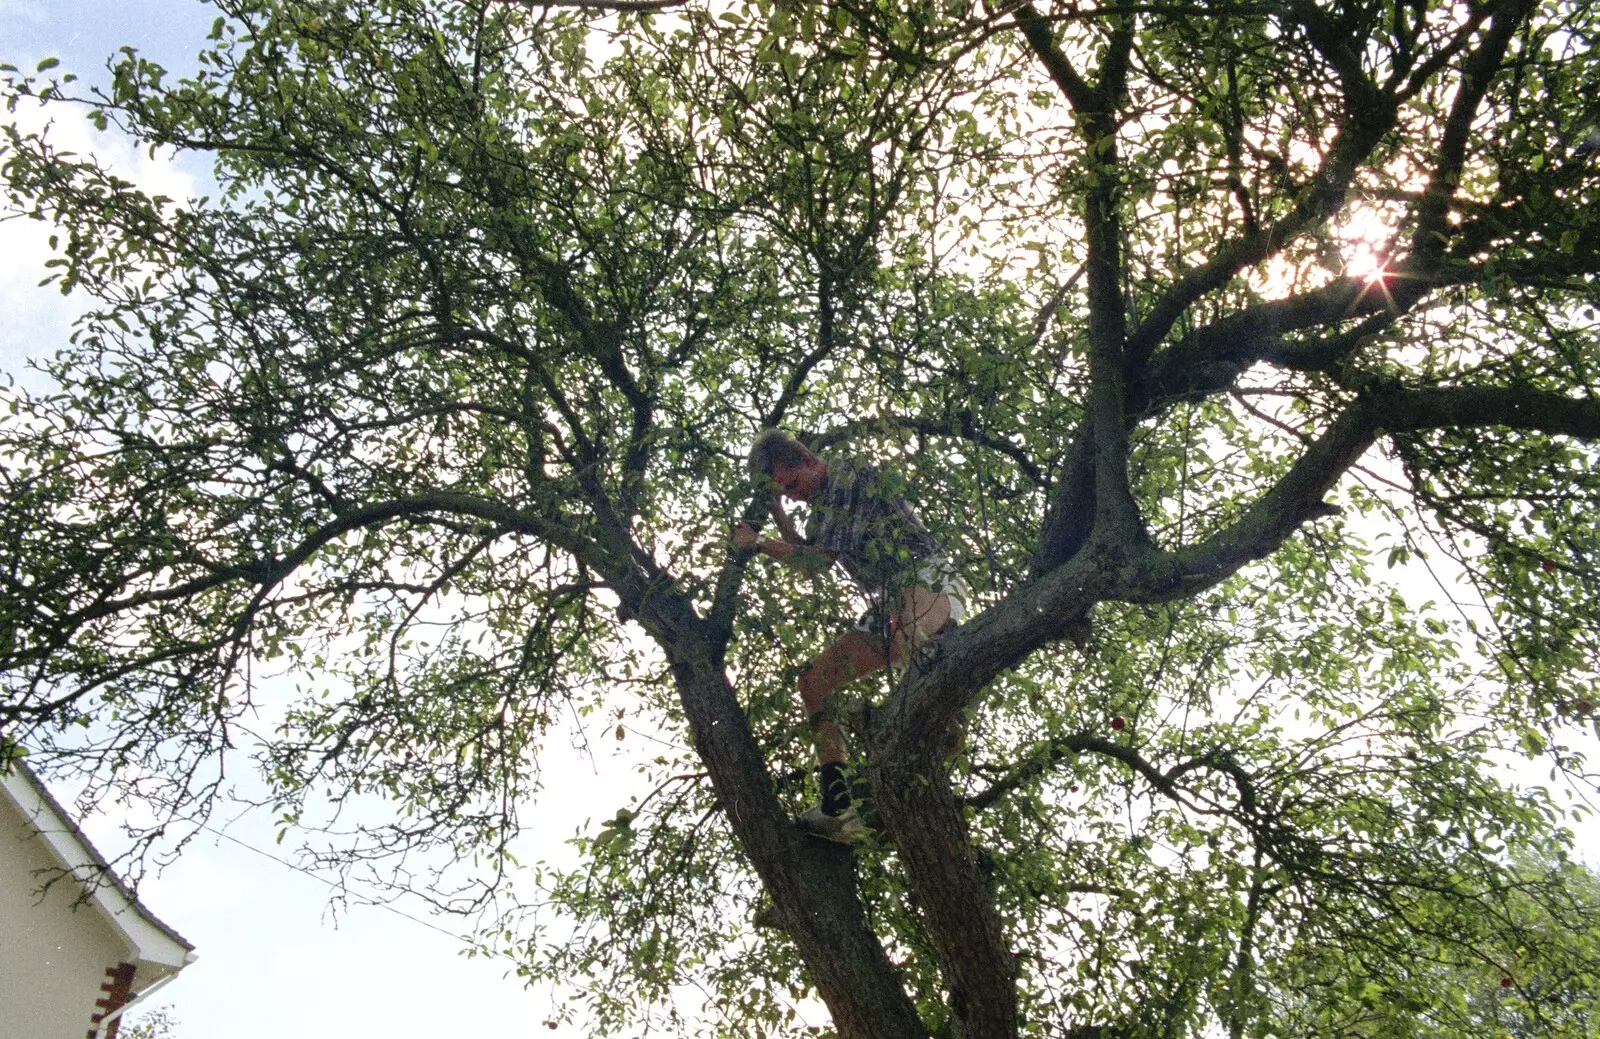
53,953
60,942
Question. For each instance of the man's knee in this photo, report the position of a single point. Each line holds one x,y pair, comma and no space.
923,614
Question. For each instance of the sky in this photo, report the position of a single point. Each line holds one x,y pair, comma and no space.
276,961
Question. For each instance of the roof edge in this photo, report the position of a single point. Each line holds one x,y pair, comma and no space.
72,846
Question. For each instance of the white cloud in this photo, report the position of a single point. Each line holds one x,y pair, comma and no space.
39,320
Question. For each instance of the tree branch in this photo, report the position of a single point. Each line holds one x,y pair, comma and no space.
1479,71
964,428
1321,200
1041,40
1297,496
1069,513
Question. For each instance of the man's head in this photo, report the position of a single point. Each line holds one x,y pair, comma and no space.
796,471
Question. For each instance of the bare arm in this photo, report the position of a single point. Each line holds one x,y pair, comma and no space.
801,556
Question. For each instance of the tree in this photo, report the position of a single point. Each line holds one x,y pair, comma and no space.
157,1024
1182,321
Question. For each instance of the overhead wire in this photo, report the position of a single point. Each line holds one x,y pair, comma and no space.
344,888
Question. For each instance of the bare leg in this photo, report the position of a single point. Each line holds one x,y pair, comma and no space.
853,656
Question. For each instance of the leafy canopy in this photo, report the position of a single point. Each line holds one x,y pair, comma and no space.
1201,334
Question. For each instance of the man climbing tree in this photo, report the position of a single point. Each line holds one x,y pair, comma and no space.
398,462
858,520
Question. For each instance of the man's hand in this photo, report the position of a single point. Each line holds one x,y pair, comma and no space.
811,560
745,537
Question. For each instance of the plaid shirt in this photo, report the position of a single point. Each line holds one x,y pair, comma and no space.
861,515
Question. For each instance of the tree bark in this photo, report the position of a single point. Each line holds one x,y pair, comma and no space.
812,883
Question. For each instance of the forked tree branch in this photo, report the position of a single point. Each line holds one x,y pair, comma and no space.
911,729
949,677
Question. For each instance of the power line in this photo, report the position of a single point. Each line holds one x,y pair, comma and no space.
344,887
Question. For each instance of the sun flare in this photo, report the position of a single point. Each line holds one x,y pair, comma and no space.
1361,260
1365,242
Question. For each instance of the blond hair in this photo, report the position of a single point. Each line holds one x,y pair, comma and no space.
774,448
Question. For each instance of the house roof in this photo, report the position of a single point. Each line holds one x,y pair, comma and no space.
151,941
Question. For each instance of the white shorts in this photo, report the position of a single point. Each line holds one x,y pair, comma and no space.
936,575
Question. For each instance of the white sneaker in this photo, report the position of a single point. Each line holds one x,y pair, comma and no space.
844,828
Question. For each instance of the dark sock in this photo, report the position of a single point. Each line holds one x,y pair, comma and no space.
835,788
